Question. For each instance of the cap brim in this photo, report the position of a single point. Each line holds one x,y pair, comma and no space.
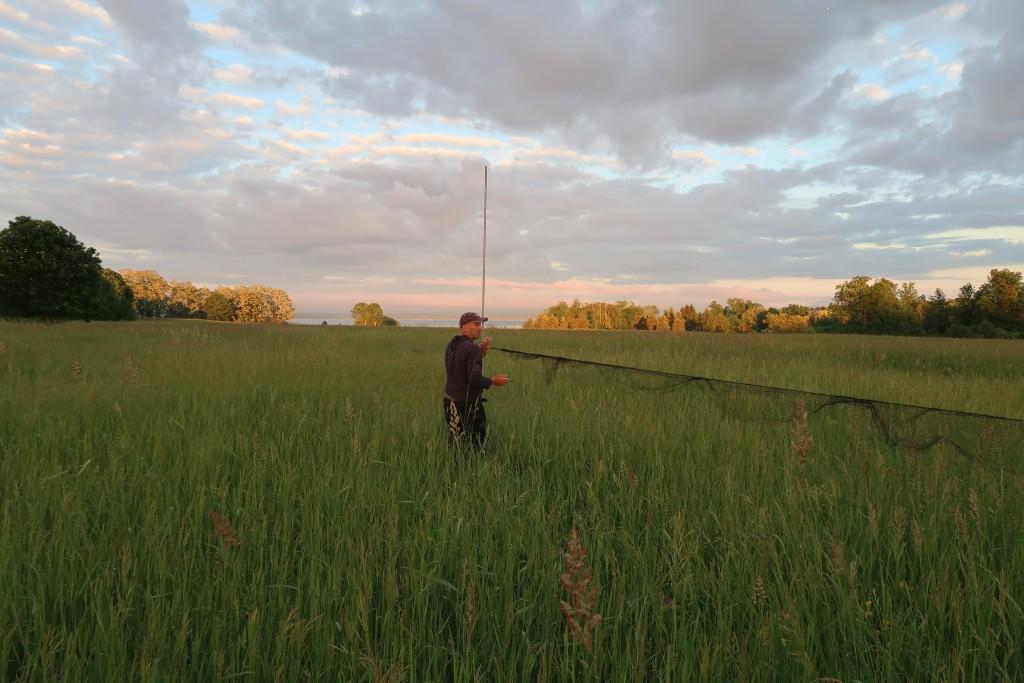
483,320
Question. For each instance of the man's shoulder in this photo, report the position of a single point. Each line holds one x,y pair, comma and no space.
457,346
466,347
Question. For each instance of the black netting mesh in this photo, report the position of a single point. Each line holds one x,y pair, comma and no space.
987,439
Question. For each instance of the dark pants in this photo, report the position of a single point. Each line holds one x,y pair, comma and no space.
466,423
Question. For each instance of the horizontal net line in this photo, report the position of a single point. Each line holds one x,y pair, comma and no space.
837,398
990,440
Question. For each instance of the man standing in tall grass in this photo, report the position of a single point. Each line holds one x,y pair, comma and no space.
464,413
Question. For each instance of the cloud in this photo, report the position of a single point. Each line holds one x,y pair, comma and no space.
976,128
221,33
952,71
158,32
915,54
89,10
874,245
20,43
220,100
88,40
1013,234
115,255
288,110
229,101
977,253
306,134
972,274
16,15
950,12
450,140
871,91
676,64
695,157
131,95
234,73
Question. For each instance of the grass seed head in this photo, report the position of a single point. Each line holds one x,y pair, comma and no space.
381,674
224,529
131,373
898,524
470,611
961,526
578,581
800,439
972,500
760,592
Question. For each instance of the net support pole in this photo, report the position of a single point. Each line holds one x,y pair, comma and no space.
483,276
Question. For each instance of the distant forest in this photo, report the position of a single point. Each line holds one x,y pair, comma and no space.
46,273
995,309
156,297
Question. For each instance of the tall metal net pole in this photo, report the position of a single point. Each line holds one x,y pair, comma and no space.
483,278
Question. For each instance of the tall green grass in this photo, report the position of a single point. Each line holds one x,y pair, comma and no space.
370,552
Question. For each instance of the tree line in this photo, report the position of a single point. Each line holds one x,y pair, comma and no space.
737,315
994,309
156,297
45,272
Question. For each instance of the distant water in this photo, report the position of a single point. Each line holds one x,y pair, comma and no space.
416,322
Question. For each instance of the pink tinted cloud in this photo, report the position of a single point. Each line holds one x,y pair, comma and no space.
517,298
521,298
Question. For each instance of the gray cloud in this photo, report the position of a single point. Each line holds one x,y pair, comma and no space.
164,52
977,128
625,74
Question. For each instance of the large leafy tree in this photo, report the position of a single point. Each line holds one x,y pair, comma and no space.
852,302
1001,299
966,311
744,313
370,315
879,307
46,272
152,293
689,315
185,299
218,307
936,314
114,299
713,319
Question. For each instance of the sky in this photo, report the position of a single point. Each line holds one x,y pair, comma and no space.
660,152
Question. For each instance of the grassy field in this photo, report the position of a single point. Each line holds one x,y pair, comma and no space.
202,501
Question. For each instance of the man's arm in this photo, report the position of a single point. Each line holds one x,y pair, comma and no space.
475,367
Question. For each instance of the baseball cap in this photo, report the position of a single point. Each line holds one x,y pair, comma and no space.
471,317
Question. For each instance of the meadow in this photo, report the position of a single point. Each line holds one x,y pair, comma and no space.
200,501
